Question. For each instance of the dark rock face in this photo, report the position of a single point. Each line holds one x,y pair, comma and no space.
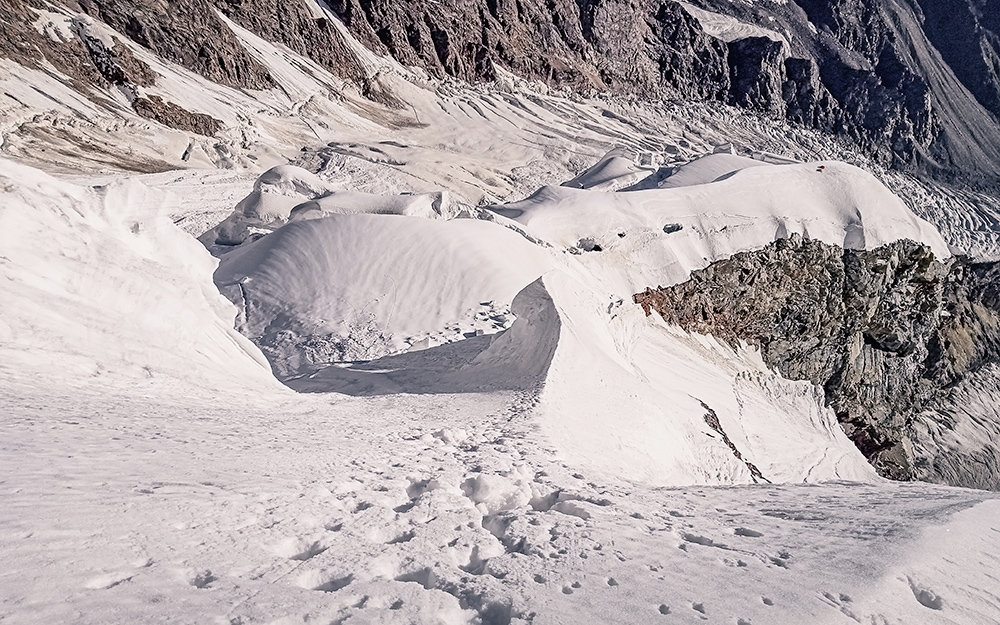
116,64
807,99
756,72
690,61
186,32
886,333
967,34
174,116
20,42
289,22
885,106
615,45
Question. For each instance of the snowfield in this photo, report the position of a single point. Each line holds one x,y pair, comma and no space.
530,448
450,411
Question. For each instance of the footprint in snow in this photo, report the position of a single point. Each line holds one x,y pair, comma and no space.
700,540
406,536
417,488
404,508
202,579
925,596
301,549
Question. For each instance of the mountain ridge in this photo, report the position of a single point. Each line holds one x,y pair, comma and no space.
884,73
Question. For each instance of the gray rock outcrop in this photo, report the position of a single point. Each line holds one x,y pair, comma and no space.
887,334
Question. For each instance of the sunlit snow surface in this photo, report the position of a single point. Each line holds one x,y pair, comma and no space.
154,472
529,448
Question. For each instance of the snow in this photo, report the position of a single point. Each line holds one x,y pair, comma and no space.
833,202
407,279
153,471
119,508
507,439
56,26
627,395
728,28
99,281
707,169
620,393
611,173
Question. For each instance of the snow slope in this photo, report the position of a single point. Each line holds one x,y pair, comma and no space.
98,281
199,490
546,470
621,392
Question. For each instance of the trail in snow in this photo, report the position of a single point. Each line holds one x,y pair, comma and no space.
442,508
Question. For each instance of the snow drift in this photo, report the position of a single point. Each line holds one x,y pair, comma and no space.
98,281
288,193
375,304
659,236
358,287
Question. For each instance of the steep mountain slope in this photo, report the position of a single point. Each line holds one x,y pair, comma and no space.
881,73
967,34
864,69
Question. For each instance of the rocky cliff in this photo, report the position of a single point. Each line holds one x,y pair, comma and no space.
914,82
865,69
887,334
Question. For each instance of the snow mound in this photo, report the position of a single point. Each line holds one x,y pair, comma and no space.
707,169
99,282
427,205
659,236
277,191
613,172
364,286
289,193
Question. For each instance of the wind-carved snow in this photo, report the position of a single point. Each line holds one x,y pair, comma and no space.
90,274
335,300
207,492
154,471
370,285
